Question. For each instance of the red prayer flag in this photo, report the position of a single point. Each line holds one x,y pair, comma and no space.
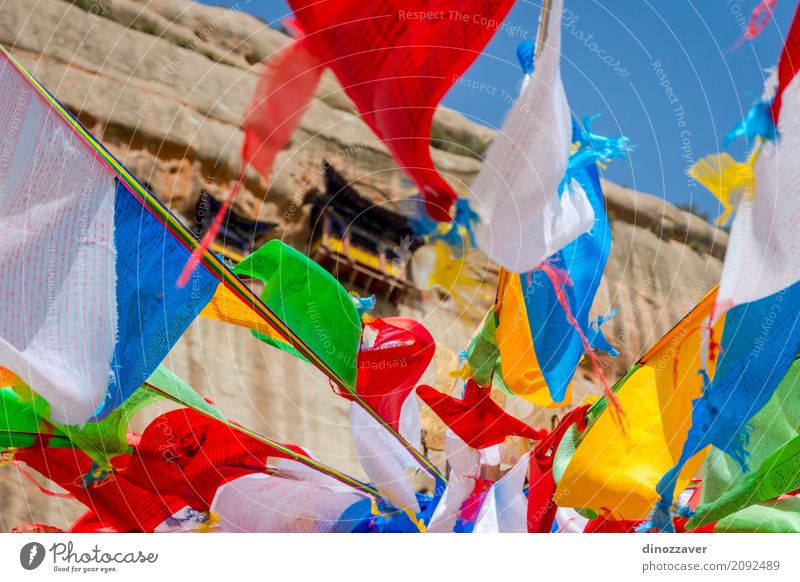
477,419
395,353
282,95
116,502
541,507
788,65
396,59
182,459
189,455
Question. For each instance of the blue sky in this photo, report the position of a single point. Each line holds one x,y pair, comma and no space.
674,85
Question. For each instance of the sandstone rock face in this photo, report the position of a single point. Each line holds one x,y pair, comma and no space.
164,85
663,261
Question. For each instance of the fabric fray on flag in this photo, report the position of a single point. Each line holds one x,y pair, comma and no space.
761,259
760,17
526,52
458,234
728,180
615,471
758,123
547,353
589,147
153,312
528,209
364,305
760,341
774,452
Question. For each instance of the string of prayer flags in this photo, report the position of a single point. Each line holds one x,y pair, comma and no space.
91,271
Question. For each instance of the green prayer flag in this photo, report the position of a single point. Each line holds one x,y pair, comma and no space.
775,452
173,387
311,302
